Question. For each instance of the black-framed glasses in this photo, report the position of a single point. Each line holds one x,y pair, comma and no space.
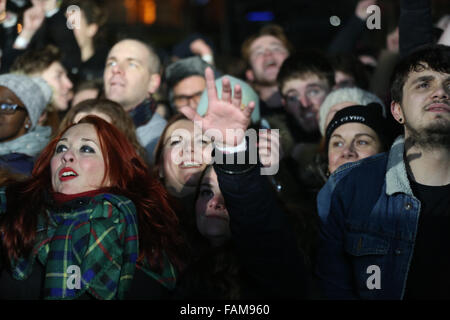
10,108
183,100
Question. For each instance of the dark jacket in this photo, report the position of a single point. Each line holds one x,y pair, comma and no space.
17,163
263,238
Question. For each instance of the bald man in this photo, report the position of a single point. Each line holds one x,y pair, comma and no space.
131,76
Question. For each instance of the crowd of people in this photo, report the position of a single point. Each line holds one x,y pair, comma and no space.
311,175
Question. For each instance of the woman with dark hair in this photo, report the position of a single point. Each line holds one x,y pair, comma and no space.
181,154
109,111
216,273
89,34
91,222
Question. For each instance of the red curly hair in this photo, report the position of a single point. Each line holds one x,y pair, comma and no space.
129,176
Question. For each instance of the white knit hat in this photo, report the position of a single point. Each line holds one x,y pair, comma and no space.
354,94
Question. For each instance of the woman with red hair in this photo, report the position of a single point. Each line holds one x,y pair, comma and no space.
91,222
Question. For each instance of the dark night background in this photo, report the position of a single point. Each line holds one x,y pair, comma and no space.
226,22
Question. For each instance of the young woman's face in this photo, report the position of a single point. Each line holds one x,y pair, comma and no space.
213,221
351,142
78,164
186,152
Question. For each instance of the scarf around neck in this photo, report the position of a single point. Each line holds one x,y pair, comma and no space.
30,143
88,244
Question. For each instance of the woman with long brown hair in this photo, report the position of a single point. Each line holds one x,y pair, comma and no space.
91,222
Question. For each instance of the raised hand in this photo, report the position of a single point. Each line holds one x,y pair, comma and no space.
226,119
32,20
2,11
392,41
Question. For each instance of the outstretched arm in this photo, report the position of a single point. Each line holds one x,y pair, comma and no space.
264,240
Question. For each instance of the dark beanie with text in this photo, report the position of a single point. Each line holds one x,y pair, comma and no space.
370,115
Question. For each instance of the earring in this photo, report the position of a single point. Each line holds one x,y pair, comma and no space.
400,120
27,126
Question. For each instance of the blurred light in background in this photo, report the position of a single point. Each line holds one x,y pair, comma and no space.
143,11
148,11
260,16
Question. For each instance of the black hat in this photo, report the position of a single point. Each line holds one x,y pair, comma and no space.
370,115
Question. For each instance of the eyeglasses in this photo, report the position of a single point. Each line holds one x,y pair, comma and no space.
183,100
8,108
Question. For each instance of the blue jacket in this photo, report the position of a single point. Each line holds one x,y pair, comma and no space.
369,218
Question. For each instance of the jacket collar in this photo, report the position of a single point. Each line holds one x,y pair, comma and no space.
396,176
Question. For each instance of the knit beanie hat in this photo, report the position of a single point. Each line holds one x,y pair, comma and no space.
248,94
356,95
370,115
34,92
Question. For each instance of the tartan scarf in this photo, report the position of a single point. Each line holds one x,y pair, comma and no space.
95,238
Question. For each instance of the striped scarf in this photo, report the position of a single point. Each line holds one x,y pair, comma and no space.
91,246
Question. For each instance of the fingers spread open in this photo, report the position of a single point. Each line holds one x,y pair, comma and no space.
210,85
226,90
249,109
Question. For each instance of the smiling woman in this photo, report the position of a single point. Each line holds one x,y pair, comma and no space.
90,223
181,154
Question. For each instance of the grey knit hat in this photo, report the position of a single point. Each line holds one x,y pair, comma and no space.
183,68
356,95
34,92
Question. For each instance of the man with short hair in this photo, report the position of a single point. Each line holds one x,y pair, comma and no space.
130,78
304,80
185,82
385,219
264,54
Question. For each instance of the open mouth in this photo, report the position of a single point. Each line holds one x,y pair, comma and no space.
189,165
67,174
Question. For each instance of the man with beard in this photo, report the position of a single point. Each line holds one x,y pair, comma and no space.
264,54
385,220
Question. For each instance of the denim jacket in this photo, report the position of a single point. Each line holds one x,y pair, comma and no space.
369,218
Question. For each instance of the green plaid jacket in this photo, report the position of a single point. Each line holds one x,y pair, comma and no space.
91,246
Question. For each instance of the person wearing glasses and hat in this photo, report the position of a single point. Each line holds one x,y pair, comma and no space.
22,100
